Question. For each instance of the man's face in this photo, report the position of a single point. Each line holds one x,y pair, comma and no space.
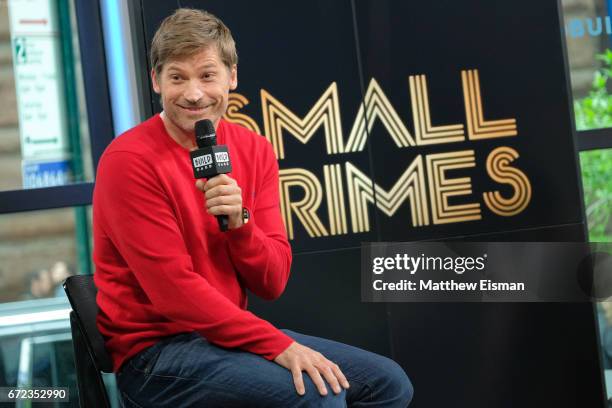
195,88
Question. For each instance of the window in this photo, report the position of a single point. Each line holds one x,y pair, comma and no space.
46,142
54,124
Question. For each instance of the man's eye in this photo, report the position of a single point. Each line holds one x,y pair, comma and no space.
208,75
175,77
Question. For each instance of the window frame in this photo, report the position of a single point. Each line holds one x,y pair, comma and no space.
594,139
99,118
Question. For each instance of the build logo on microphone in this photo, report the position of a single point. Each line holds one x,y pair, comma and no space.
222,158
205,161
424,182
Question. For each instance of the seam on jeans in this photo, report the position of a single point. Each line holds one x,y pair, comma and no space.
207,383
148,374
152,361
174,377
210,384
131,401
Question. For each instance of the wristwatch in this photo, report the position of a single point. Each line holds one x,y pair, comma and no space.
246,215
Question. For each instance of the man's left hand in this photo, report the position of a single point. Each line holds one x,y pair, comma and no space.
223,196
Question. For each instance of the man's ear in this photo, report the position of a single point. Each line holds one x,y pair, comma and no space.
155,82
233,77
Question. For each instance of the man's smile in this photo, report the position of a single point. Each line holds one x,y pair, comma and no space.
194,109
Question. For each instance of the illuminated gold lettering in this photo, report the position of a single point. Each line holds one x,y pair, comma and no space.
236,102
335,199
499,169
441,187
425,133
304,209
325,112
479,128
410,185
376,105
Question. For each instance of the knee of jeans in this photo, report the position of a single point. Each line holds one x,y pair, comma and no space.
312,398
399,385
407,390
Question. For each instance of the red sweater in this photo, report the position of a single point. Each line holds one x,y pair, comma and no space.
162,265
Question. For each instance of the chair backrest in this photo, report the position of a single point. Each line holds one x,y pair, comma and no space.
90,355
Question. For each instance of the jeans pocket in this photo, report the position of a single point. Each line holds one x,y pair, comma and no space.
145,360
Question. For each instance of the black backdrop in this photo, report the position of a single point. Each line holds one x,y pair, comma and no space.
477,355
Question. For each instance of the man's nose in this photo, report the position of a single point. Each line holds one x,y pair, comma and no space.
193,93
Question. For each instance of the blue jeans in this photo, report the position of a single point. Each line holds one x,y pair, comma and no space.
188,371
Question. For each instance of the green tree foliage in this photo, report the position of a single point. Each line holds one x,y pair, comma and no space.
593,112
596,168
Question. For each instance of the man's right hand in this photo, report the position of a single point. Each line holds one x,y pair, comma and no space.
298,358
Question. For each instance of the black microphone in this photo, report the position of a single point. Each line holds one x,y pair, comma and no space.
210,159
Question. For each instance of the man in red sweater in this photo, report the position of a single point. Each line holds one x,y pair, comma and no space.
172,287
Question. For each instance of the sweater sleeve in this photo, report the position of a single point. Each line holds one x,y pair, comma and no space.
139,220
259,250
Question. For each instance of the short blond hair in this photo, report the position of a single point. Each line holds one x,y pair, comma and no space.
188,31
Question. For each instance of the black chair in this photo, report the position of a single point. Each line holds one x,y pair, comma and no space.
90,356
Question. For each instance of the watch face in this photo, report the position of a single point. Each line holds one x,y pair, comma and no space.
245,215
